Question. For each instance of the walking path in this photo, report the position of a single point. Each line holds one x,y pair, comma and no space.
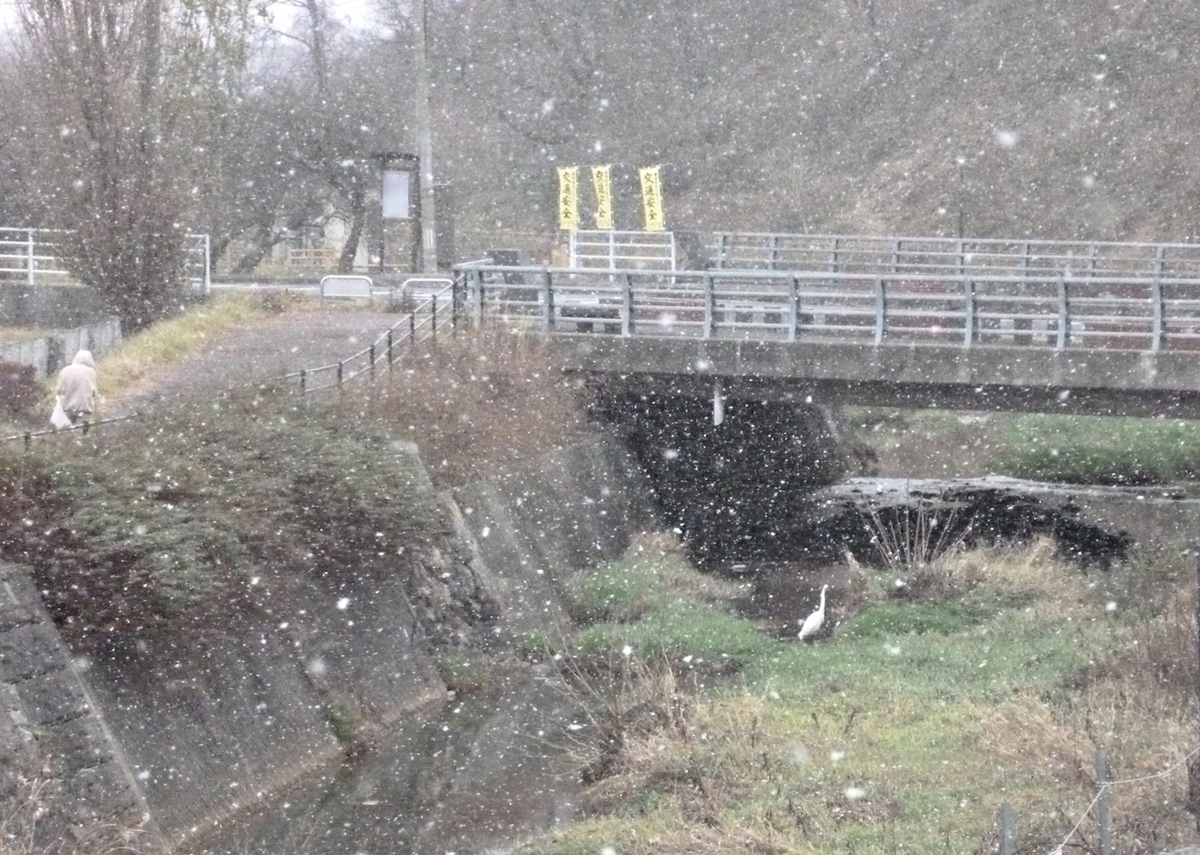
279,345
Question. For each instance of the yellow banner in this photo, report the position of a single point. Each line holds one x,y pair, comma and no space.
652,201
568,197
602,186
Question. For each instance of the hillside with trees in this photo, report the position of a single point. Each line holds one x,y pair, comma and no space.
877,116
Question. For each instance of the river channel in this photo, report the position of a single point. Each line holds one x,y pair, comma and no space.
481,774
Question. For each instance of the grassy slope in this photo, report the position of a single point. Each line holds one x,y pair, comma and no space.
903,733
1072,449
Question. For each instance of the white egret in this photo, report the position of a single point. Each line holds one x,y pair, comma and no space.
813,622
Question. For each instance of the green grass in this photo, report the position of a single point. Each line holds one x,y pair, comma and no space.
159,532
1099,449
1065,448
904,732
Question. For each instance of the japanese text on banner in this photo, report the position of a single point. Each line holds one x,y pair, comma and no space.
568,197
652,202
602,186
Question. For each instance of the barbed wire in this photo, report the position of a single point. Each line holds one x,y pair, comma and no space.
1108,785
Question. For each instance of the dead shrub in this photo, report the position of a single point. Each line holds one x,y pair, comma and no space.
627,703
1027,727
20,392
1158,663
481,404
914,544
1033,572
656,544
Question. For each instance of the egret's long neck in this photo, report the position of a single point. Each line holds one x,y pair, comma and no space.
822,598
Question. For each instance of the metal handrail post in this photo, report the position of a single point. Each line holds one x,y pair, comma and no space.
433,319
880,311
29,265
455,306
1157,310
389,348
1064,314
207,264
627,307
477,298
1157,325
371,356
547,303
710,307
793,330
970,319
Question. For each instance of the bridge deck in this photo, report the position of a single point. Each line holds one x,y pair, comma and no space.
1106,343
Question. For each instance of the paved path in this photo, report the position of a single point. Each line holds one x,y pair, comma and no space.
278,345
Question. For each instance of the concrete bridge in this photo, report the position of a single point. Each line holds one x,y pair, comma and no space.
1115,333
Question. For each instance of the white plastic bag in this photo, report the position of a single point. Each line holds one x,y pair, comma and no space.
58,418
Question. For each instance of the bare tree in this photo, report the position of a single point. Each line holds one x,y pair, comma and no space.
124,94
298,135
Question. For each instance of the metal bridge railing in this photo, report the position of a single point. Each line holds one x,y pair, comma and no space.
1104,312
885,256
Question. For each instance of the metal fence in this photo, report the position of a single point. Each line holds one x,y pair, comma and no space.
886,256
433,314
610,250
30,256
1107,312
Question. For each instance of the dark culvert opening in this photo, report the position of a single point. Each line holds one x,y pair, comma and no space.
772,483
738,490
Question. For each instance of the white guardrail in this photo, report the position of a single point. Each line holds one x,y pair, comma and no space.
28,256
1116,312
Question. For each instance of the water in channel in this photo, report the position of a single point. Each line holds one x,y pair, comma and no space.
473,776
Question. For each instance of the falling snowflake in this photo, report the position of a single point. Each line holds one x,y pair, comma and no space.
1006,139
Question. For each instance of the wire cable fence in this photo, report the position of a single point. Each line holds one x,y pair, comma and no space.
432,315
83,427
1099,810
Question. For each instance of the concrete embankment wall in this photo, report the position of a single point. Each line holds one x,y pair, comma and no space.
55,748
50,353
193,733
578,507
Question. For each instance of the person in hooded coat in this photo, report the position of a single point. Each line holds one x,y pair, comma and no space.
77,388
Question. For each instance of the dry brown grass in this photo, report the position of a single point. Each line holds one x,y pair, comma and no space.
30,798
1138,705
1032,571
481,404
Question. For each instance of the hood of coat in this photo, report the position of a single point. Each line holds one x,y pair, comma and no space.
84,357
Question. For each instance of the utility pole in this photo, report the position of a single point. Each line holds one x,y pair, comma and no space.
424,144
